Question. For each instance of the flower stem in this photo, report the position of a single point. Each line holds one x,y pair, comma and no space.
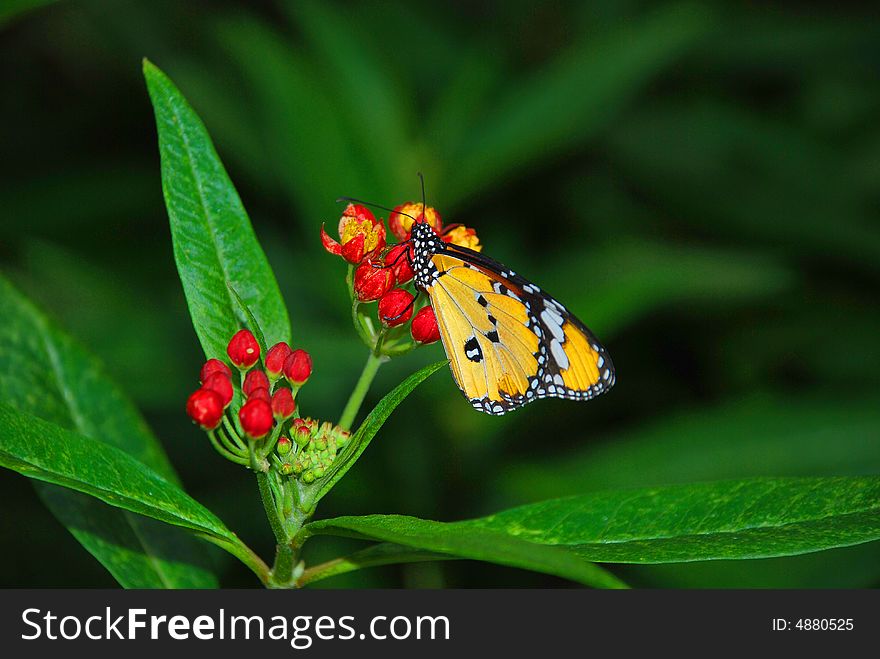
282,570
374,361
271,507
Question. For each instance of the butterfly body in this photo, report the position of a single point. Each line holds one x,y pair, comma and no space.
508,342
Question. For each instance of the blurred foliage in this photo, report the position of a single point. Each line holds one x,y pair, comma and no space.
697,181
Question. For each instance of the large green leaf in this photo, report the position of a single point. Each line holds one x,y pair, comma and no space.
760,436
757,518
44,451
474,543
214,244
45,373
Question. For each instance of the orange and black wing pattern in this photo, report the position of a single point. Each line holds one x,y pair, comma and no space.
508,342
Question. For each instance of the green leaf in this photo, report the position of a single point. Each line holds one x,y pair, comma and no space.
368,429
571,99
45,373
758,518
44,451
214,243
760,436
386,553
473,543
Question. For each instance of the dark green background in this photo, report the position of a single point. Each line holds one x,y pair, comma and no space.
698,182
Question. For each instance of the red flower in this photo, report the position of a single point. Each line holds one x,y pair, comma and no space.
360,235
372,281
464,236
283,405
275,357
399,263
256,418
213,366
256,379
243,349
298,367
220,383
395,307
401,220
260,393
424,327
205,407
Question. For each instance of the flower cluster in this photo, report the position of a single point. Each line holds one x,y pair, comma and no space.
383,273
250,419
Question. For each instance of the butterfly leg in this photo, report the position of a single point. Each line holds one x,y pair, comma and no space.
406,308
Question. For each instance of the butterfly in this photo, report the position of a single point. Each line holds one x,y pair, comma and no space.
508,342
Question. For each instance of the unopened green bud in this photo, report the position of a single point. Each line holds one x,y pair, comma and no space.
283,446
318,471
341,437
301,433
286,469
308,477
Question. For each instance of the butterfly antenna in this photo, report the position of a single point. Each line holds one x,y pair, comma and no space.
370,203
424,200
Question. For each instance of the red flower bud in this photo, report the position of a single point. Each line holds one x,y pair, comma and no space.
205,407
275,358
256,379
372,281
424,326
283,405
399,262
243,349
401,220
213,366
260,393
220,383
395,307
256,418
298,367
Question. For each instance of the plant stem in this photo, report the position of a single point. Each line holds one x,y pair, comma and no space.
374,361
282,570
271,507
215,442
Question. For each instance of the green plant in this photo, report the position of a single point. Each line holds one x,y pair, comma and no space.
98,467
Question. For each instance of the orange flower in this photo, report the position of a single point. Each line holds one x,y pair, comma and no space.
401,220
464,237
360,235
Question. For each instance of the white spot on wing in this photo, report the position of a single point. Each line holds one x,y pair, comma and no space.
559,354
